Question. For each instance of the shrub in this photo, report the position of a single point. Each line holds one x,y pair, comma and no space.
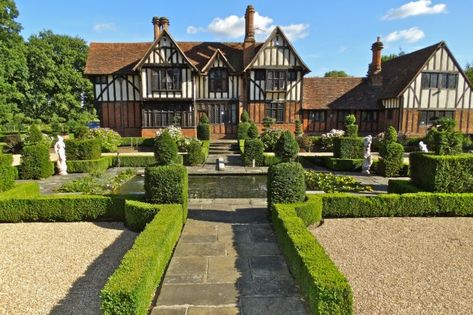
310,212
390,136
89,166
254,150
86,149
348,148
165,149
436,173
270,137
286,183
23,190
35,135
242,132
298,130
195,156
253,131
392,159
133,161
326,289
448,142
109,139
398,186
138,214
286,147
7,172
350,126
307,143
131,288
268,122
327,139
271,160
245,117
13,143
137,141
349,165
167,185
35,163
329,182
203,131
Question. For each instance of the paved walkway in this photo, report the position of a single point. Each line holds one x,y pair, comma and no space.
227,261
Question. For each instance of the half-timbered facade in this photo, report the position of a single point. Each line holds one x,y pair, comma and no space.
142,87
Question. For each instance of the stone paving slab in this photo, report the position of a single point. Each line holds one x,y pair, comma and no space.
227,261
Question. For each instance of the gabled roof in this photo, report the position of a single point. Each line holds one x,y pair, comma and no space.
151,49
340,93
217,54
399,72
276,30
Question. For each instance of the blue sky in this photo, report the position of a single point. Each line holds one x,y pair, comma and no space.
329,35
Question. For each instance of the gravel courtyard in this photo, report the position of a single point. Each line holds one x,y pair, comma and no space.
404,265
58,268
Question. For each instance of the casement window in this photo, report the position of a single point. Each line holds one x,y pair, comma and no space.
429,117
160,116
438,80
222,113
275,80
276,111
341,115
292,75
168,79
101,79
260,75
318,116
218,80
369,116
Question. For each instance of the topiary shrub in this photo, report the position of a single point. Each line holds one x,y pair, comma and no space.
35,135
167,184
286,183
254,150
203,128
268,122
35,163
390,136
245,117
165,149
195,155
298,131
87,149
448,143
109,139
348,148
392,160
286,148
7,172
242,132
253,131
270,137
310,212
351,128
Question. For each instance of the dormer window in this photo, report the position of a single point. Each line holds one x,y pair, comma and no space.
218,80
167,79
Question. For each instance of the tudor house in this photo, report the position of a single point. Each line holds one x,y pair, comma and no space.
142,87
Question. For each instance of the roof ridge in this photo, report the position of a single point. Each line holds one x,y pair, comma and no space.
416,51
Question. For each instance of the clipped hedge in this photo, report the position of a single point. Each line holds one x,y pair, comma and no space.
254,150
64,208
134,161
35,163
392,160
167,184
195,155
349,165
136,141
242,132
90,166
131,288
406,205
310,212
22,190
399,186
83,149
138,214
348,148
437,173
203,131
7,172
326,289
165,149
286,183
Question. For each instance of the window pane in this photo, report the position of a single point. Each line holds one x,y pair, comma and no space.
452,81
425,80
434,80
442,84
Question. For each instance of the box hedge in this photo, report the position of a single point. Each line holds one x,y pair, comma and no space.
325,288
167,184
83,149
399,186
22,190
437,173
195,155
310,212
138,214
136,141
131,288
392,160
286,183
254,150
348,165
134,160
7,172
90,166
35,162
348,148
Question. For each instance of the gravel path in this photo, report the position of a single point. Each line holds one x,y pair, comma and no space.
404,265
58,268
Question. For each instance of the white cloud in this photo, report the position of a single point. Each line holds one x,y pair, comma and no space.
342,49
411,35
414,8
233,26
101,27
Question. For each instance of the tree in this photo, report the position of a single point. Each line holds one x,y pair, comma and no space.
469,71
57,83
336,74
392,56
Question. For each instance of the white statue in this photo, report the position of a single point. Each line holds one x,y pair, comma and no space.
365,170
423,147
60,149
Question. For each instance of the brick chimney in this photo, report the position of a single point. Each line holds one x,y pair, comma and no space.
376,63
164,21
250,24
156,26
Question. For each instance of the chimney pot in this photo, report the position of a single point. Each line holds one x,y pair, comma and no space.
164,21
156,25
376,63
